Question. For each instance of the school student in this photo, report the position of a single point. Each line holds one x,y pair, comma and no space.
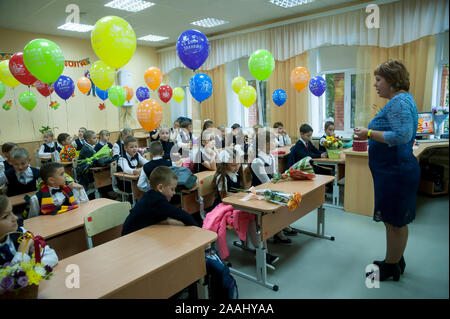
154,135
154,207
304,147
205,157
49,147
11,251
220,138
87,151
170,153
263,166
79,141
68,152
103,139
5,163
131,163
55,196
208,124
281,136
156,159
175,130
118,147
329,131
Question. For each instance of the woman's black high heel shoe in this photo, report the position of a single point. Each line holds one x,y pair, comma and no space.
386,271
401,263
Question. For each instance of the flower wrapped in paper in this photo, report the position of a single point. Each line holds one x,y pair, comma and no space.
300,170
103,156
289,200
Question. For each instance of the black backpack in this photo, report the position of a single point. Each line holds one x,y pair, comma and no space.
186,180
221,285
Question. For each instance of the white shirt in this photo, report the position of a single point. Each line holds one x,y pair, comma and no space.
50,258
58,199
233,176
123,163
116,149
143,183
259,168
51,144
283,140
28,174
2,164
184,136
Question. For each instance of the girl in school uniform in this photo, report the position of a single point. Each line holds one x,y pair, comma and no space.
329,131
79,141
206,157
262,168
168,145
175,130
49,147
119,147
230,175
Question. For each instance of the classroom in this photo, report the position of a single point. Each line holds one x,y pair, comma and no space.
204,145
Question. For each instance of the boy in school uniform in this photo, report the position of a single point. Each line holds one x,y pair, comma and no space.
156,159
79,141
6,150
11,251
55,195
154,206
49,147
281,136
304,147
68,152
103,139
185,137
131,163
87,151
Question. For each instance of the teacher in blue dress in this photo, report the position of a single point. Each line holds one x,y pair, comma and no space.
394,168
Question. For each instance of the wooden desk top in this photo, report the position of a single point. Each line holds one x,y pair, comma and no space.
99,168
66,163
303,187
204,174
50,226
45,157
286,149
141,135
328,160
19,199
127,176
421,148
107,268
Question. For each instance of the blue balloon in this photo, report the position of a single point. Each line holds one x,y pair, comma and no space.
101,94
64,87
142,93
200,86
192,48
279,97
317,85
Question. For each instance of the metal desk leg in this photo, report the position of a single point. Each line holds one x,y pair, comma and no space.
202,289
320,226
335,187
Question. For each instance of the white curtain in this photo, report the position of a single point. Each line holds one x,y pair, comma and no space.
400,22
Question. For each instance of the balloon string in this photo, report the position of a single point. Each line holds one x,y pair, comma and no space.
67,115
17,109
48,112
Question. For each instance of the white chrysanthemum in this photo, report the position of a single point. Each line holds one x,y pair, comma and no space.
40,270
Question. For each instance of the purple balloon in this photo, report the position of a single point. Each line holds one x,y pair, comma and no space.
64,87
317,85
142,93
192,48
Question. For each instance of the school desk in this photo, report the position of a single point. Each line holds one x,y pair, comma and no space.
19,199
136,193
65,232
282,158
102,178
142,138
272,218
191,200
359,191
67,167
339,172
154,262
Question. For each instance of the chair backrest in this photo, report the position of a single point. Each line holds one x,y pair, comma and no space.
206,186
36,157
113,169
106,217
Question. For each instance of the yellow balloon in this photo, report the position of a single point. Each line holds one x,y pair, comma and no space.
178,94
102,75
238,83
6,76
247,95
114,41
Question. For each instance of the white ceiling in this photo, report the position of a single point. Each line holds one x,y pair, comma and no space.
167,18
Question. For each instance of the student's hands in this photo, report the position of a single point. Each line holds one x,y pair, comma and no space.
25,247
283,132
137,171
324,155
75,186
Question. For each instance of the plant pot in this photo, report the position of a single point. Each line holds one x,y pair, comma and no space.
29,292
334,154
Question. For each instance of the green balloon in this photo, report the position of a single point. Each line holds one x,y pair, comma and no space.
2,90
44,59
28,100
261,64
117,95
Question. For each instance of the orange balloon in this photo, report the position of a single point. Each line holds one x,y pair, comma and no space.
153,77
300,78
149,114
84,85
129,92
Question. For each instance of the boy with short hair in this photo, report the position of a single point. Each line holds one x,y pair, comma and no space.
304,147
68,152
154,206
55,196
281,136
80,141
87,151
156,159
5,163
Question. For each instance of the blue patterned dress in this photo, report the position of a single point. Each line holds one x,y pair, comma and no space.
394,168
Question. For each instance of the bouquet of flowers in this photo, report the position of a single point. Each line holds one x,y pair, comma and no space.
16,278
68,153
439,110
332,143
291,201
300,170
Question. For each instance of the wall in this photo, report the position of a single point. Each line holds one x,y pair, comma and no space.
19,125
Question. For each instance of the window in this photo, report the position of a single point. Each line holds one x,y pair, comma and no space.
338,101
443,88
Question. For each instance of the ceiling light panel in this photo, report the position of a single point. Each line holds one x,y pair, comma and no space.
153,38
209,22
129,5
290,3
77,27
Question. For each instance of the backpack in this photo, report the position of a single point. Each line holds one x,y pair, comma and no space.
221,285
185,177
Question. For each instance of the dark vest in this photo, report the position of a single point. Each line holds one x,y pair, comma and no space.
255,179
79,144
99,146
17,188
48,149
7,165
150,166
122,148
167,147
14,238
119,169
